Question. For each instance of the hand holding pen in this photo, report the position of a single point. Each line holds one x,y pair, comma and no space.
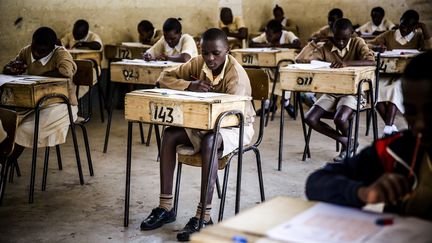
199,85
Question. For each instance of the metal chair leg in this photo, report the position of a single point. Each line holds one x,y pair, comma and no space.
11,173
224,190
141,132
307,140
158,140
149,134
75,143
4,173
128,174
108,128
45,168
177,187
101,103
368,121
59,158
17,168
218,188
260,174
87,148
281,132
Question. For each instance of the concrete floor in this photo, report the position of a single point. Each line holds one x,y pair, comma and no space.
93,212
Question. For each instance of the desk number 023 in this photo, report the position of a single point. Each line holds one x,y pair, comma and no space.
166,113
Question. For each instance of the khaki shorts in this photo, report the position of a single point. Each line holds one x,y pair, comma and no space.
331,103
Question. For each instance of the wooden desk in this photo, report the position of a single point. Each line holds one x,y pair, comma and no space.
133,72
263,57
84,54
182,109
253,224
24,91
125,51
343,81
139,71
394,64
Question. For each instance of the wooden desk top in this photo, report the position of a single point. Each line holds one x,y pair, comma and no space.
83,51
125,50
395,63
325,80
263,57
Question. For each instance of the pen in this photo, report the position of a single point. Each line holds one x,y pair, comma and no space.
384,221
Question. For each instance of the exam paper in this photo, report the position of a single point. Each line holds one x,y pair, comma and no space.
399,52
6,79
328,223
267,49
183,93
134,44
314,64
150,63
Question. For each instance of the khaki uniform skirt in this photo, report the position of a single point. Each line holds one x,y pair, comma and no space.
53,126
230,138
390,90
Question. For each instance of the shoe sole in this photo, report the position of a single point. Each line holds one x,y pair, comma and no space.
159,225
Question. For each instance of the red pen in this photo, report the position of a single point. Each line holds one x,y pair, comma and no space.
384,221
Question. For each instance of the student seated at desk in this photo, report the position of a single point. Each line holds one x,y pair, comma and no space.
233,26
377,25
81,37
287,24
396,170
147,34
405,37
275,36
342,50
217,71
44,58
327,31
174,45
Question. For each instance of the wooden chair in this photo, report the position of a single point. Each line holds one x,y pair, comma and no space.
260,89
8,119
88,75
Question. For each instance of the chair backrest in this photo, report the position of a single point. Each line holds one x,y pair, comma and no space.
84,74
259,81
8,119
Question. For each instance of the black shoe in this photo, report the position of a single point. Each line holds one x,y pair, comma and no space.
290,109
190,228
272,109
157,218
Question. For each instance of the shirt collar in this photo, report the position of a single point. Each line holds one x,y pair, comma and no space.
85,38
378,27
209,74
44,60
403,39
177,48
343,51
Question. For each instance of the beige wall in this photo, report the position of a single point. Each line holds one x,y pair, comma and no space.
116,20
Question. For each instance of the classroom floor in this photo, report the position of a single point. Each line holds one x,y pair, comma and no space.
93,212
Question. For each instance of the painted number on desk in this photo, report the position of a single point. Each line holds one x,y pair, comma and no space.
248,59
123,53
171,114
130,74
304,80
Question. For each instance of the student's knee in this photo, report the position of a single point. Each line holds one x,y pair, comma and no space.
171,135
207,142
312,119
341,118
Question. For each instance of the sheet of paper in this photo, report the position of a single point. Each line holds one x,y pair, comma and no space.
405,230
399,52
314,64
258,50
150,63
328,223
135,44
6,78
183,93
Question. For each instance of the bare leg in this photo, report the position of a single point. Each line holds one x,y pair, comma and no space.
18,149
341,117
390,114
382,109
313,119
172,137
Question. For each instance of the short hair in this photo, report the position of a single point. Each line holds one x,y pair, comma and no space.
342,24
172,24
274,26
146,25
336,12
419,68
44,36
411,15
378,10
225,10
81,23
213,34
277,8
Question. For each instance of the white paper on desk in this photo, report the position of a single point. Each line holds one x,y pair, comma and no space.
183,93
314,64
328,223
134,44
150,63
405,230
399,52
266,49
6,79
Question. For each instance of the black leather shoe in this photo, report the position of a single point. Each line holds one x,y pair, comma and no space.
290,109
190,228
157,218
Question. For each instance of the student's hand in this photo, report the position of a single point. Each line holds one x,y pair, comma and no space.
199,86
162,57
338,64
302,61
380,48
421,25
17,67
389,188
148,57
226,30
78,45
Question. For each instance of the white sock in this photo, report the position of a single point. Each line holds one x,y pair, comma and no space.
394,128
286,103
388,130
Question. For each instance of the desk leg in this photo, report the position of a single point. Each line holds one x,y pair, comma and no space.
128,174
271,99
373,112
149,135
158,139
110,112
239,169
306,135
281,132
34,156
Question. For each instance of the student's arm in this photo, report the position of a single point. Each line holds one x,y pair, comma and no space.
241,34
260,41
65,65
183,57
16,66
379,42
188,50
339,183
93,45
156,50
180,77
258,45
310,52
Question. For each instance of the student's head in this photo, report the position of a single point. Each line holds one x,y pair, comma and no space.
408,22
417,96
214,48
80,29
172,30
43,42
273,31
145,30
377,15
334,15
278,13
342,32
226,16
